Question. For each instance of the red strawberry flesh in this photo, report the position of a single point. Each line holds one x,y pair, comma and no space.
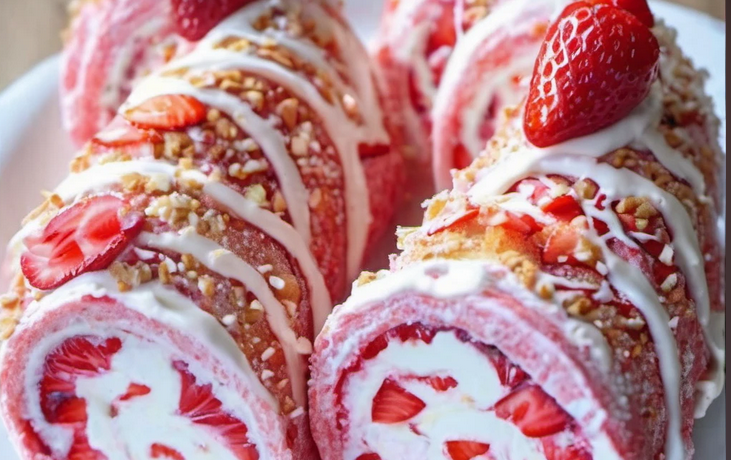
167,112
195,18
198,403
533,411
596,64
466,450
393,404
85,237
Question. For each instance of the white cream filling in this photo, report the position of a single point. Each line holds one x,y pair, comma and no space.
145,420
459,278
159,303
461,413
171,309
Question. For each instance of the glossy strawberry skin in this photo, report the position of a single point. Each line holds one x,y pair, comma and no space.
639,8
595,66
195,18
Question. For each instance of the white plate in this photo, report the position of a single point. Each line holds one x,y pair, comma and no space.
34,150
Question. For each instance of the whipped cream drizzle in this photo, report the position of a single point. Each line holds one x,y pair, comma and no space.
640,130
229,265
346,139
294,238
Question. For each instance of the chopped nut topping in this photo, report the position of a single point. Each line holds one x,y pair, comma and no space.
276,282
177,145
130,276
287,110
585,189
300,146
351,106
229,320
255,98
279,204
7,327
52,204
225,129
666,256
207,286
280,56
578,306
257,194
163,272
315,198
670,282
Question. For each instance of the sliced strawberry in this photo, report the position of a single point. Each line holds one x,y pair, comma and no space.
164,452
560,246
639,8
168,112
524,224
595,66
556,450
404,332
34,442
509,374
442,384
369,457
75,357
82,450
70,410
465,450
462,156
452,221
564,208
600,226
414,331
199,405
195,18
393,404
373,150
533,411
134,390
86,237
442,39
120,133
443,32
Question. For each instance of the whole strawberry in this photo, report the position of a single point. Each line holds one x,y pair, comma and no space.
639,8
194,18
596,64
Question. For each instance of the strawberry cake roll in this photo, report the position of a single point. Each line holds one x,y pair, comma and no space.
425,45
166,295
451,66
111,44
564,300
